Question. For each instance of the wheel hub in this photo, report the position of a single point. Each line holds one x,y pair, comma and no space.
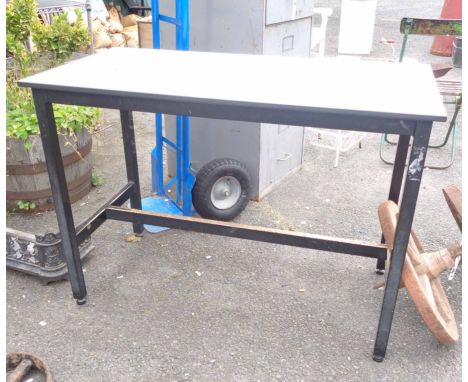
226,192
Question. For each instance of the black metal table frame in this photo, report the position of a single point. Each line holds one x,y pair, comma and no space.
71,236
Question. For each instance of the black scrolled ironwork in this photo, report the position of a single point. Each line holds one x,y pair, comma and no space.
50,250
40,255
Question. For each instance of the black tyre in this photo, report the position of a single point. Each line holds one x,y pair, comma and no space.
222,189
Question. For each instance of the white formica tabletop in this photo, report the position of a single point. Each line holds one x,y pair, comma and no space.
404,91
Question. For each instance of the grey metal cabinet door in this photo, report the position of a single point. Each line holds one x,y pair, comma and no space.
277,11
290,38
281,152
282,145
288,150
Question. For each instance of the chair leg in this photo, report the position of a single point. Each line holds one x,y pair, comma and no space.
339,144
322,48
452,130
382,144
452,153
452,126
389,141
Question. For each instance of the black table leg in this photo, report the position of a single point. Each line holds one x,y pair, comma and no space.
58,182
395,185
403,229
131,163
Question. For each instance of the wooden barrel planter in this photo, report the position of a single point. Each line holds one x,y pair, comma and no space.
27,179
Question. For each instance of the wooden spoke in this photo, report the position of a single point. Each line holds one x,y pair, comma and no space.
453,196
420,277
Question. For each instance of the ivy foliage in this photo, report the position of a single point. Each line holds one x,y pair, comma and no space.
22,121
54,43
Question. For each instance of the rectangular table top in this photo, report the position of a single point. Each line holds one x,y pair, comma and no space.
368,88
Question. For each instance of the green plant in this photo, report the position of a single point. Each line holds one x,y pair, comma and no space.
16,97
22,58
96,179
20,15
25,205
74,118
21,122
55,43
60,37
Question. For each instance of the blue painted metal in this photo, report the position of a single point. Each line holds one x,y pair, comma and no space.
184,180
167,19
169,144
157,152
155,16
157,165
159,204
188,179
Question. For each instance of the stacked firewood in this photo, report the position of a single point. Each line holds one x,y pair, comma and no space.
116,30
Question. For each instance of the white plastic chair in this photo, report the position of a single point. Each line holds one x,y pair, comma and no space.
319,32
339,141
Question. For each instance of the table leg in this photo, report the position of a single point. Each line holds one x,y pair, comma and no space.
403,230
395,185
58,183
131,163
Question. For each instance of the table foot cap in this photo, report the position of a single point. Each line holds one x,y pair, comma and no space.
81,301
378,358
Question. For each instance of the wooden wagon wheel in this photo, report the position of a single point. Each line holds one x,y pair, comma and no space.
420,276
18,365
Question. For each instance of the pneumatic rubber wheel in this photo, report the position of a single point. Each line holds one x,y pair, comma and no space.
221,190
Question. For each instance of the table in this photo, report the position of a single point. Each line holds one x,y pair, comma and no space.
376,97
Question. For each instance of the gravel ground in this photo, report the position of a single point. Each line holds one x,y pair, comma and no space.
182,306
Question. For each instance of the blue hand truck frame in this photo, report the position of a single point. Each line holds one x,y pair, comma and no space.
184,179
223,185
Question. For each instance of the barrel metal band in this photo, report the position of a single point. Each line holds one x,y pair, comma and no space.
37,168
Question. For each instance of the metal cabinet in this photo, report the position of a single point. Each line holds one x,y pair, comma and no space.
281,154
277,11
276,27
291,38
281,145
